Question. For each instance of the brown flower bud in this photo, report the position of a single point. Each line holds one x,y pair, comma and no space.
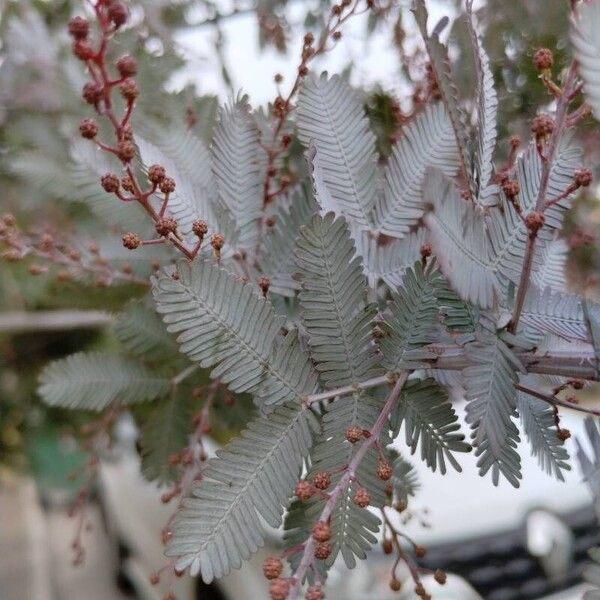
279,589
125,150
395,585
82,50
354,434
387,546
156,173
534,221
79,28
129,90
420,551
321,531
92,92
88,128
127,184
117,13
165,226
543,59
278,78
426,251
322,480
314,592
264,283
131,241
309,38
563,434
322,550
217,241
362,498
110,183
384,471
127,66
582,178
542,125
272,567
200,229
167,185
336,35
511,188
304,490
440,576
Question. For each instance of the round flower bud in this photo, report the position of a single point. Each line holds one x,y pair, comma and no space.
362,498
127,184
440,576
543,59
110,183
534,221
165,226
321,531
583,177
426,251
395,585
167,185
156,174
129,90
117,13
272,568
125,150
79,28
127,66
304,490
264,283
314,592
279,589
387,546
88,128
217,241
542,125
200,228
511,188
131,241
420,551
92,92
82,50
322,550
354,434
384,471
322,480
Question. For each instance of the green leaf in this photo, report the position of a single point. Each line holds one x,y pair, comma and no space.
251,478
331,119
93,380
410,320
428,416
224,325
164,433
334,312
236,150
539,426
460,243
427,141
142,332
491,407
585,37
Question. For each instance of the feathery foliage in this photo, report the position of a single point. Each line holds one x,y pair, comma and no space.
428,416
93,380
251,477
333,298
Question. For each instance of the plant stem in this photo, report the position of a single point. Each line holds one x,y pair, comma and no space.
560,121
554,401
350,472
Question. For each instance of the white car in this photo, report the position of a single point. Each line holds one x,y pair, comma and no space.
495,543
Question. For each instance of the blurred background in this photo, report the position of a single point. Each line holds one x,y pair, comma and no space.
499,543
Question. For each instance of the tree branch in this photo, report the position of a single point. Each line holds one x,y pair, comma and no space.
309,547
560,122
554,401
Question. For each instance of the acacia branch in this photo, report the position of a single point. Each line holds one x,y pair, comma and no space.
309,548
554,401
560,122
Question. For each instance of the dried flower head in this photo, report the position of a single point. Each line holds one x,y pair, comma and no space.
110,183
272,567
92,92
127,66
125,150
543,59
88,128
131,241
129,90
79,28
167,185
165,226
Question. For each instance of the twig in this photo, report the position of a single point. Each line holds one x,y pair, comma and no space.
547,164
554,401
309,548
52,320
